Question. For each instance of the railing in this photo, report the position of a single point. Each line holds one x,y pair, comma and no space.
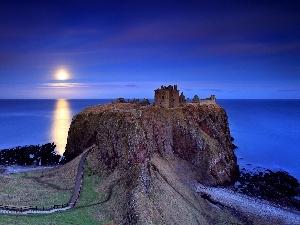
32,208
53,208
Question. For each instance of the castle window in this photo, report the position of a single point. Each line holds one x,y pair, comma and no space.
163,97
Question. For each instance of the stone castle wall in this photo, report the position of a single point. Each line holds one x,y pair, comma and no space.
208,101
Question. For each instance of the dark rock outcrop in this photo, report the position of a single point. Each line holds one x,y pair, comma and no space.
276,186
156,153
30,155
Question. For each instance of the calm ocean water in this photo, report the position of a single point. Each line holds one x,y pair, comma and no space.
266,131
25,122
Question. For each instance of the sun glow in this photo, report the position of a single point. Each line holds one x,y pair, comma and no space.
62,75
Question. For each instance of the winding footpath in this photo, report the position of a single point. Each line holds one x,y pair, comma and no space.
78,181
56,208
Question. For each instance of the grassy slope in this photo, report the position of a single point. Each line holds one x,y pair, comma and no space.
92,208
54,187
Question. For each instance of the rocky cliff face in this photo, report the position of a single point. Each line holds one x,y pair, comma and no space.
126,135
149,147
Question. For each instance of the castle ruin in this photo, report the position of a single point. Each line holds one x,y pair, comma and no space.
168,97
206,101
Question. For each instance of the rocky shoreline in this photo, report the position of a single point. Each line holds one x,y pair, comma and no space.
21,169
278,187
30,155
250,210
260,196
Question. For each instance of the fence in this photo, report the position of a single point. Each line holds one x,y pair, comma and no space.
73,200
31,208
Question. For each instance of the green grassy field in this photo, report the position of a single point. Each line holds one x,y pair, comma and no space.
26,189
48,188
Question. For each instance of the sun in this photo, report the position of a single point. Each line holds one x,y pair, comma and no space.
62,75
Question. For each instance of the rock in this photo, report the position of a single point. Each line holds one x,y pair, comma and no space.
278,186
30,155
204,195
152,150
233,146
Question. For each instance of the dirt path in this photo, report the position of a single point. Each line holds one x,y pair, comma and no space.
76,194
78,181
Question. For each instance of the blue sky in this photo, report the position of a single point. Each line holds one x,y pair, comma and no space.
233,49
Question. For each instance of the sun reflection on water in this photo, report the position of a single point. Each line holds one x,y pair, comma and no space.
60,125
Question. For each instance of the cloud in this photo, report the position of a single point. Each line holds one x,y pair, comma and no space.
131,85
214,90
288,90
102,85
249,48
187,89
65,85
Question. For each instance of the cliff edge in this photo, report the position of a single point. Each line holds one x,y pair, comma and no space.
150,156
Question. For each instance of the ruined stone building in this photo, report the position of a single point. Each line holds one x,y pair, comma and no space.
206,101
167,97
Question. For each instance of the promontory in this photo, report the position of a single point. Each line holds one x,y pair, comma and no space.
151,154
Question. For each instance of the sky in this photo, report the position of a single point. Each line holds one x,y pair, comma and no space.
109,49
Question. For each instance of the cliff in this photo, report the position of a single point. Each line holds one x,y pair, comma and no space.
150,156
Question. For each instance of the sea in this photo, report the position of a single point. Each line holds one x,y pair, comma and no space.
267,132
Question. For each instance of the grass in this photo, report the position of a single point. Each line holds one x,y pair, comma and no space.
89,208
24,191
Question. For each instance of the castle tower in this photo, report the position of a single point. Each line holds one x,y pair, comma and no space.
167,97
